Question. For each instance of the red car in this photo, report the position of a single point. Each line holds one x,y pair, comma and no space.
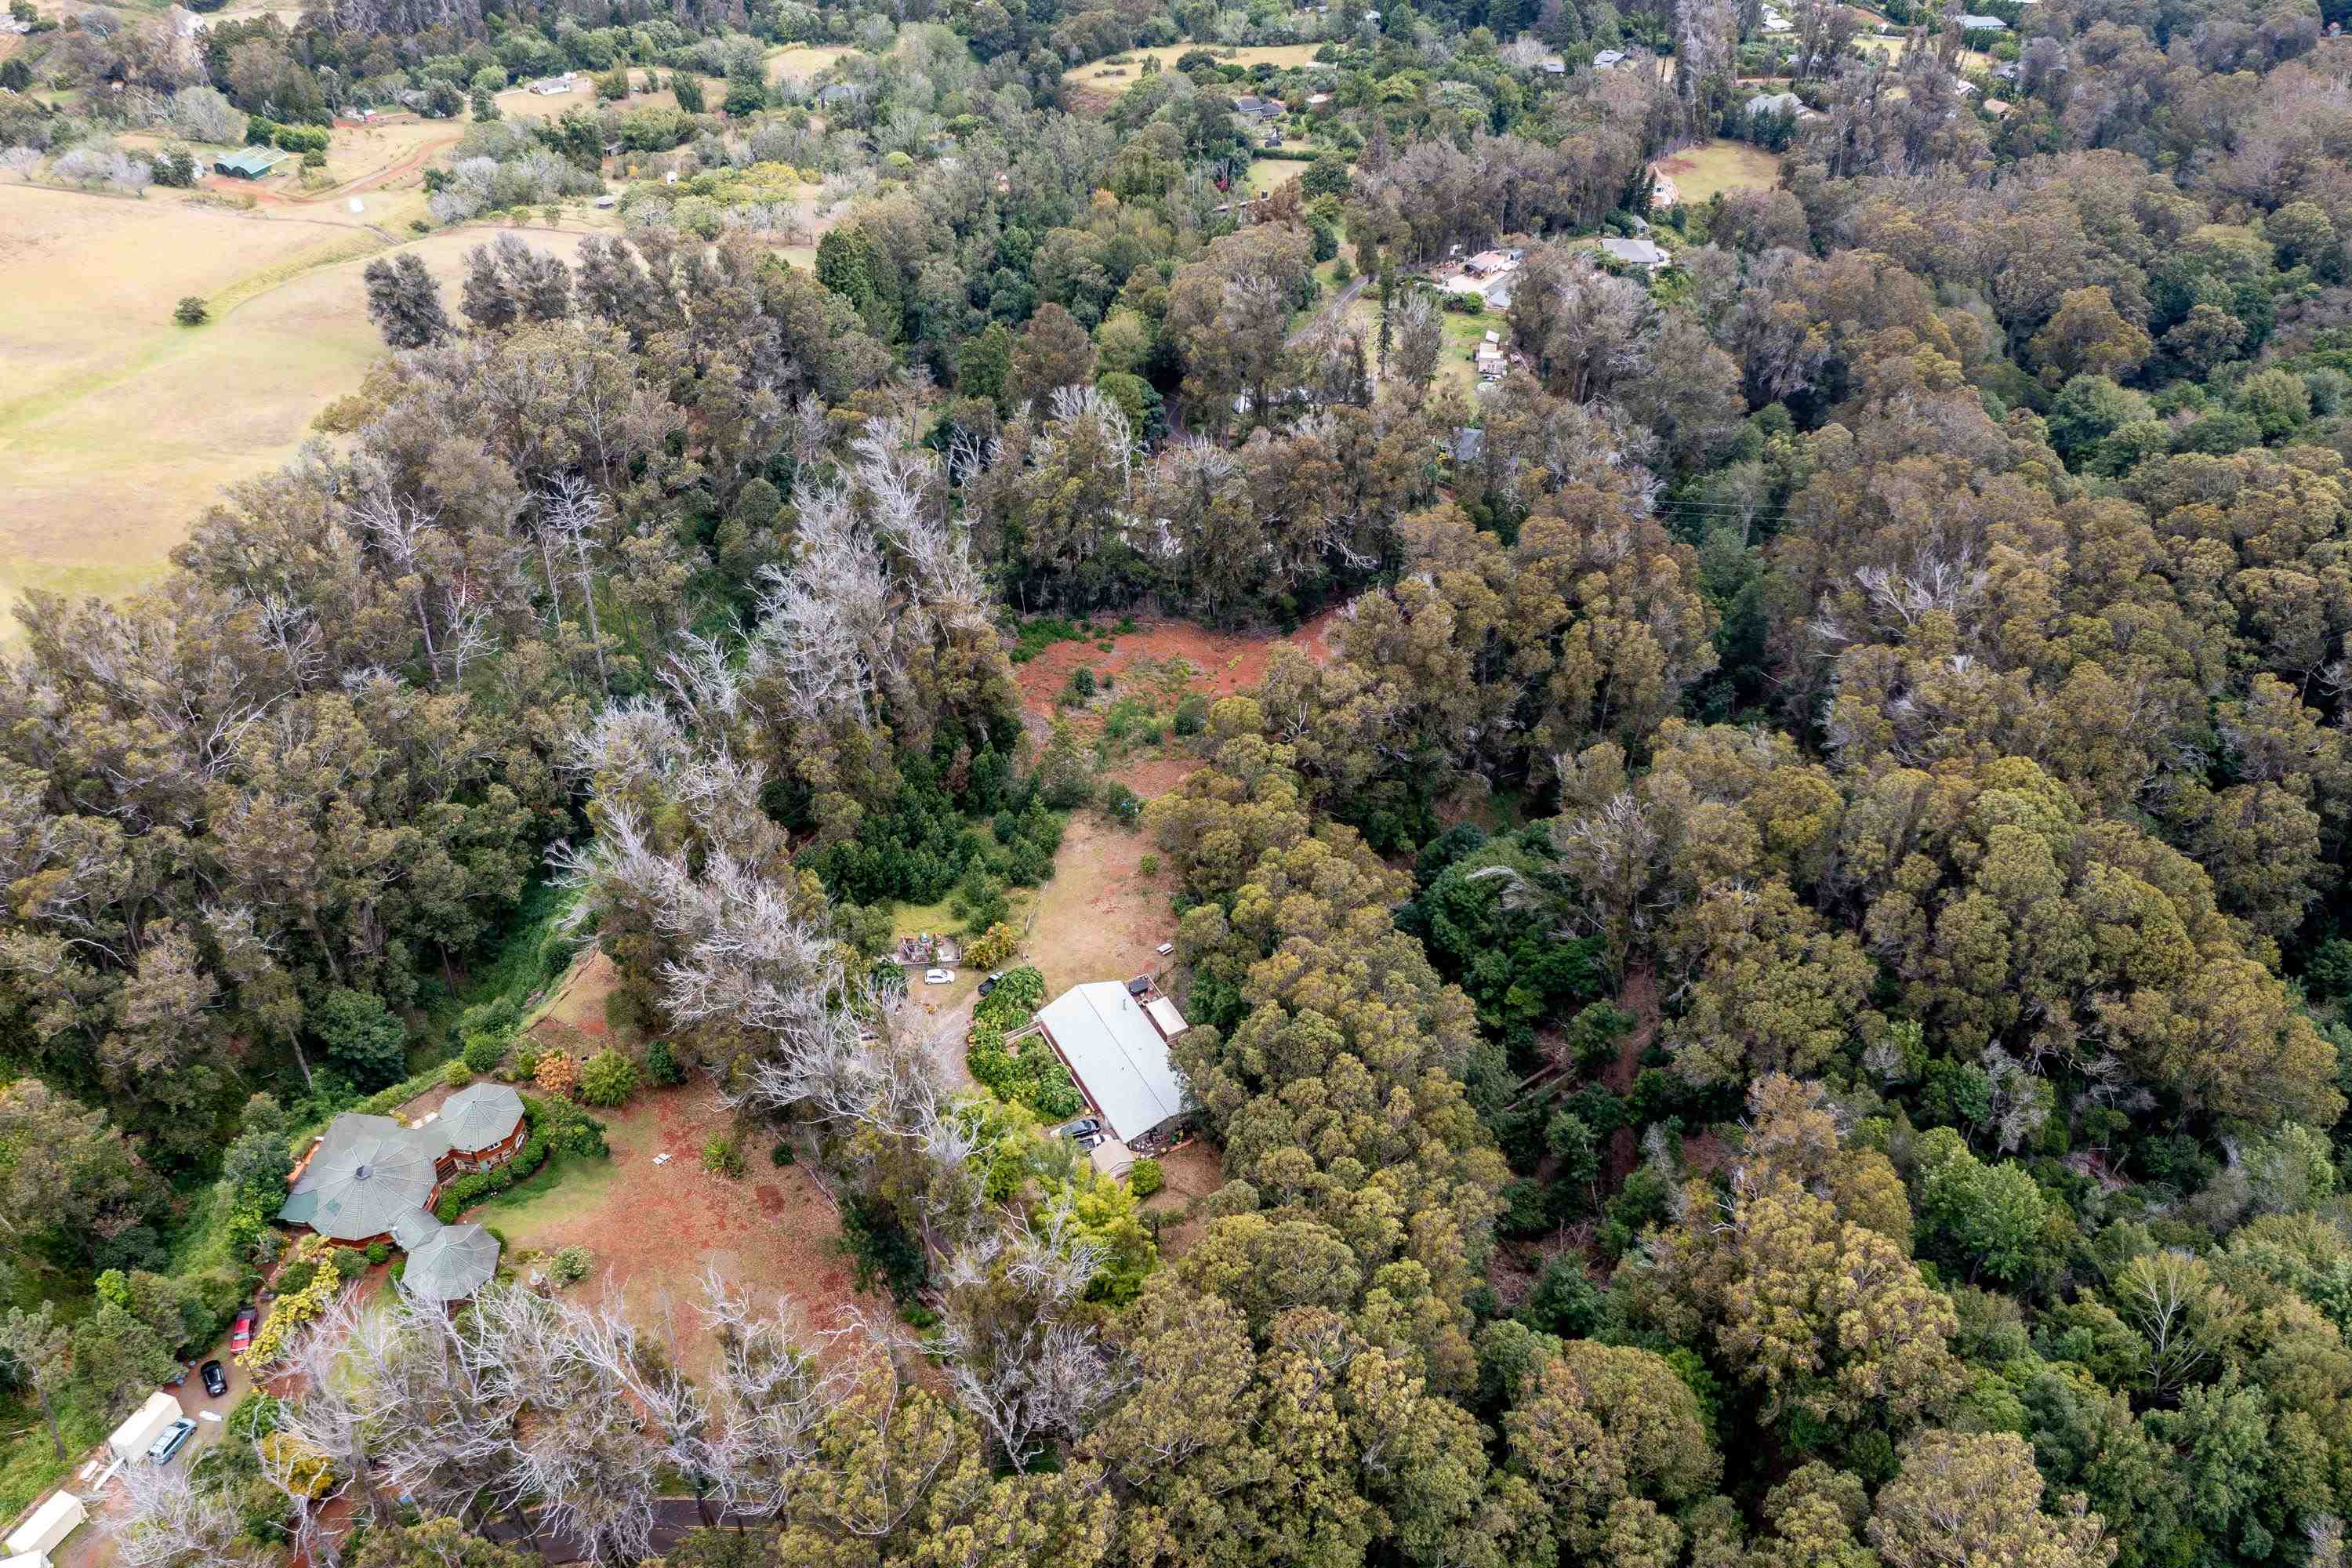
240,1332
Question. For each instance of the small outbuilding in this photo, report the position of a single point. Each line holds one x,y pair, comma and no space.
130,1441
59,1515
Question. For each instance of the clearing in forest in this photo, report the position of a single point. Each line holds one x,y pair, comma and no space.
1698,173
1228,662
1098,84
117,425
652,1229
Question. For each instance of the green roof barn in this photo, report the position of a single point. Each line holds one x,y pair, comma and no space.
249,164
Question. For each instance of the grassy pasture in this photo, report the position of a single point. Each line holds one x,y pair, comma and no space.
117,426
1698,173
1102,83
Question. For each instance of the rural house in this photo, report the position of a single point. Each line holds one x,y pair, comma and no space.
1251,107
1115,1044
367,1174
1644,253
1608,59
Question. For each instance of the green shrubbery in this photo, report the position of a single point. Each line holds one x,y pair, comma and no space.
1035,1077
609,1078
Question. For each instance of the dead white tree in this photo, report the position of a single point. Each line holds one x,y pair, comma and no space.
329,1422
770,1391
163,1520
1017,1364
573,517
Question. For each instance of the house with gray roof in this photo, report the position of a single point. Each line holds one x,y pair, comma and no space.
371,1178
457,1261
1982,25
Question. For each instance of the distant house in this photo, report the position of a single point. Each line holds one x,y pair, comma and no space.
1608,59
553,86
368,1177
1488,263
2005,70
839,92
1115,1047
1251,107
249,163
1775,103
1317,100
1553,65
1469,441
1774,22
1982,25
1644,253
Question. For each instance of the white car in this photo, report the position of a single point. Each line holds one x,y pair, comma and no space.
939,977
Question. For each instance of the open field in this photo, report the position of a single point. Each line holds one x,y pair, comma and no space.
1100,83
520,104
117,426
801,62
652,1229
1892,47
1698,173
1101,917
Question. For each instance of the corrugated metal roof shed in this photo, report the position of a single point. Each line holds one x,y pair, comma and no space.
1116,1054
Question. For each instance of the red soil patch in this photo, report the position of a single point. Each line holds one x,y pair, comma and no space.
654,1229
1229,662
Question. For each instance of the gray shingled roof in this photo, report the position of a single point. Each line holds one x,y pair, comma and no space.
479,1115
367,1173
413,1229
456,1263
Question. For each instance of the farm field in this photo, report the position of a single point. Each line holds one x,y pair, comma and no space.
1698,173
117,427
1101,84
520,102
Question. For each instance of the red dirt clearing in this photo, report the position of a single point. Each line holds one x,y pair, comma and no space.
1229,662
652,1229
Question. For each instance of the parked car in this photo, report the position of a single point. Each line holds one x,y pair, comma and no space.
174,1438
1084,1128
939,977
240,1331
989,985
215,1380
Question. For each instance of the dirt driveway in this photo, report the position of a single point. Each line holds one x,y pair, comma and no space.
90,1547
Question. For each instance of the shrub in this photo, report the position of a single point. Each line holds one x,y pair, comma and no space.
398,1271
720,1157
609,1078
378,1253
661,1065
994,946
781,1154
569,1266
1146,1178
484,1052
1082,683
1193,715
556,1073
192,311
1149,865
456,1074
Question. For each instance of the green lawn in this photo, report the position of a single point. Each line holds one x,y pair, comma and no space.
1700,172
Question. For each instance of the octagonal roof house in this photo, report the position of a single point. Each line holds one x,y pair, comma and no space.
481,1123
455,1263
365,1174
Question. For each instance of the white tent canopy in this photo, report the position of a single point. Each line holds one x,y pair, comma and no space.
45,1526
131,1441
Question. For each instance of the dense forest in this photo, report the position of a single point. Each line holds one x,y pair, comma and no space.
1777,998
